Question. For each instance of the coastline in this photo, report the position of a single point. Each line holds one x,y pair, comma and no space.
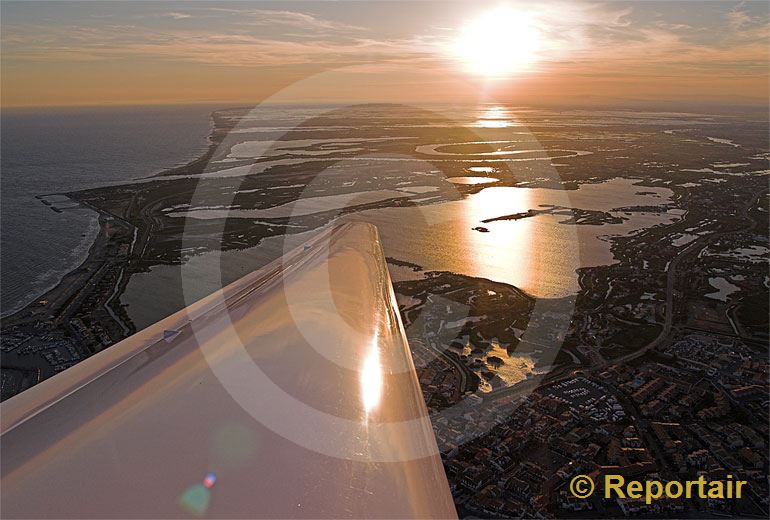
68,284
217,133
83,252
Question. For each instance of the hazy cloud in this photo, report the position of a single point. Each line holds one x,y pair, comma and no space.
591,37
177,16
272,18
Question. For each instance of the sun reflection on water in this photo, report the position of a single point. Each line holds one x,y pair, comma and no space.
495,117
511,245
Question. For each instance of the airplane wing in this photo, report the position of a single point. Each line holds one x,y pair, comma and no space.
290,393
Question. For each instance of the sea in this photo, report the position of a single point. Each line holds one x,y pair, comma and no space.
53,150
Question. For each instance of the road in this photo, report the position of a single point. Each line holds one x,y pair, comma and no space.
457,365
696,245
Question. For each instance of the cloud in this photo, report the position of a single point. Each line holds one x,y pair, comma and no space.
235,49
284,18
177,16
606,39
737,17
580,38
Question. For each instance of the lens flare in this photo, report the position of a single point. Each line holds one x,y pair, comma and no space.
209,480
195,500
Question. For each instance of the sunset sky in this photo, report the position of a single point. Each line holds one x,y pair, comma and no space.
63,53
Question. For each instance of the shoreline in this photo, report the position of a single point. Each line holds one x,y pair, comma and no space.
65,289
85,251
217,133
56,291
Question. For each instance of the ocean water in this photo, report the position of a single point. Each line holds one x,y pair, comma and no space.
48,151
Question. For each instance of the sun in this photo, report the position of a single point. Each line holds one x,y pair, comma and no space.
498,44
